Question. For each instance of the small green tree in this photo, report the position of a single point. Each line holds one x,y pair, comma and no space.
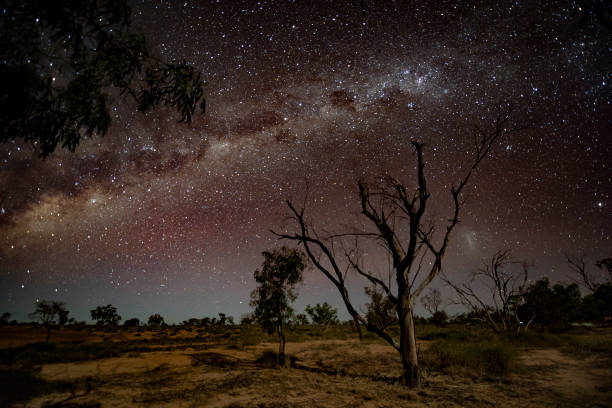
323,314
280,272
50,314
225,320
133,322
300,319
551,308
597,306
156,320
380,312
105,315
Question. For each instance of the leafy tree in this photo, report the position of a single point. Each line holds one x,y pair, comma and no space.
247,319
192,322
63,63
134,322
155,320
106,315
225,320
50,314
597,306
323,314
439,318
551,308
280,272
380,312
300,319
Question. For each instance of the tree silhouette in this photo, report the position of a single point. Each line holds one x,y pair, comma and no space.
280,272
432,300
597,306
155,320
133,322
4,319
50,314
398,222
380,312
65,61
551,308
106,315
583,276
300,319
323,314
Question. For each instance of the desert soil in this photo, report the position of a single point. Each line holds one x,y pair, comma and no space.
332,373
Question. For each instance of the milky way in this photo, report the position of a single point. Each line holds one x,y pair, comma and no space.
162,217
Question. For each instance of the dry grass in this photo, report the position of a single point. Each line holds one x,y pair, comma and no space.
221,370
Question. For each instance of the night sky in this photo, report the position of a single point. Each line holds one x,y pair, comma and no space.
162,217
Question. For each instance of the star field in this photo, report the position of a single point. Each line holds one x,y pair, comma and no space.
162,217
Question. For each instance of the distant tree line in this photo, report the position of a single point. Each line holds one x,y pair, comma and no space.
221,320
512,305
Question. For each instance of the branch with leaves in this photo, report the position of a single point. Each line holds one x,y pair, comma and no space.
63,70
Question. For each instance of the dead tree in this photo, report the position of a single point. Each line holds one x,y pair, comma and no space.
397,218
497,305
578,267
432,301
584,277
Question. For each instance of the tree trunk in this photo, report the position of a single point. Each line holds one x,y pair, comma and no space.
358,328
408,351
281,345
48,333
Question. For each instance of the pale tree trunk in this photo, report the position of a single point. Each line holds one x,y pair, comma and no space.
408,349
396,204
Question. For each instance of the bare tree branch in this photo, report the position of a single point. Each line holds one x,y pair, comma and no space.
397,212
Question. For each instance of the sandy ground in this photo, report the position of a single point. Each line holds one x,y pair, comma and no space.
223,377
573,379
